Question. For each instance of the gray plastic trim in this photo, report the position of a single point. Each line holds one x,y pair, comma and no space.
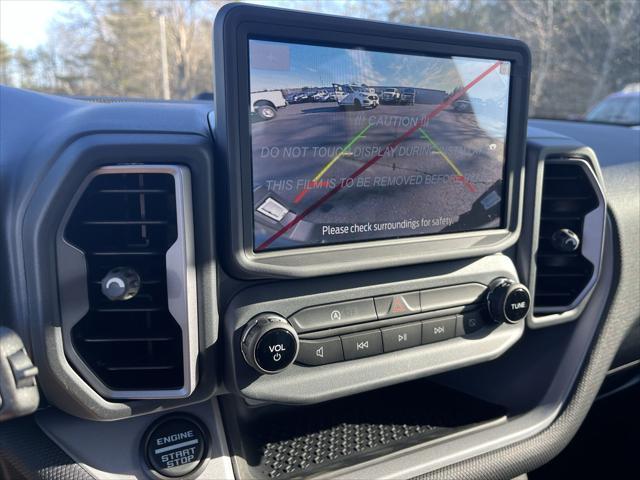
181,284
96,135
16,399
299,385
592,249
470,443
445,297
111,450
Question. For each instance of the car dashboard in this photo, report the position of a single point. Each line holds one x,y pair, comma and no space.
165,349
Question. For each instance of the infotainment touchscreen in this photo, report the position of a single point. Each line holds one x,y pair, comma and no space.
352,145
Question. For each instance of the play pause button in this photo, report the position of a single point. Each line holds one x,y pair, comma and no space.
402,336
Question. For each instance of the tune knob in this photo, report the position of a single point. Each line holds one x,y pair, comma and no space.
269,343
508,301
122,283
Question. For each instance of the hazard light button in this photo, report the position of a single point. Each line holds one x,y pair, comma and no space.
398,305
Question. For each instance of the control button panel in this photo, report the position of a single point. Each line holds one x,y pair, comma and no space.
385,307
439,329
362,344
397,305
401,336
320,352
323,351
334,315
276,344
175,446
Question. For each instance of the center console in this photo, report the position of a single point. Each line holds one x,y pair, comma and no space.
384,324
410,152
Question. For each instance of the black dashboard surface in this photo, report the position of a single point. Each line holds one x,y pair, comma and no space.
613,144
36,129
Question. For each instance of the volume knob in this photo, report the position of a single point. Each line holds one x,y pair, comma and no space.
508,301
269,343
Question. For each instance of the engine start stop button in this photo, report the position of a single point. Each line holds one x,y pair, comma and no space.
175,446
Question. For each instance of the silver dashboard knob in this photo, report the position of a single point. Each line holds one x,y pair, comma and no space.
120,284
269,343
508,301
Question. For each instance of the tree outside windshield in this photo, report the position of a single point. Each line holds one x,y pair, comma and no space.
582,50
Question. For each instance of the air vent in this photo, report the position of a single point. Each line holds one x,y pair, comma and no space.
134,219
572,209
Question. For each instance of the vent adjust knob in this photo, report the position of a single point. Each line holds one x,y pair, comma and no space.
508,301
122,283
269,343
565,240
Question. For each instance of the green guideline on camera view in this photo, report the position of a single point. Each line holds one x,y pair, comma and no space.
351,145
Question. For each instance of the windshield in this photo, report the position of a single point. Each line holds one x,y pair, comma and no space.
583,51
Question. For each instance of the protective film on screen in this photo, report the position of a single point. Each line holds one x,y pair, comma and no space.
351,145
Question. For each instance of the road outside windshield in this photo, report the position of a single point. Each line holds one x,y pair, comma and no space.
352,145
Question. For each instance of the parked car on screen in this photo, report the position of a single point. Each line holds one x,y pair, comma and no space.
408,96
391,95
372,91
319,96
463,106
355,96
266,104
324,96
298,98
470,105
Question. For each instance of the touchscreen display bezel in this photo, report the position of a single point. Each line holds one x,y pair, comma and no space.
235,25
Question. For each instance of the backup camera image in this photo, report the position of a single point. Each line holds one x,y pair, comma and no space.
351,145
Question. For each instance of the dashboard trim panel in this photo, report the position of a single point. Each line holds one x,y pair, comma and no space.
181,292
81,153
299,385
593,236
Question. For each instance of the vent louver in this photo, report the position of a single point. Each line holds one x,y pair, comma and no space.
131,219
568,196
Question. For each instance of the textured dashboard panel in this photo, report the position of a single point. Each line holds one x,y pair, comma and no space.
294,442
327,447
26,452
